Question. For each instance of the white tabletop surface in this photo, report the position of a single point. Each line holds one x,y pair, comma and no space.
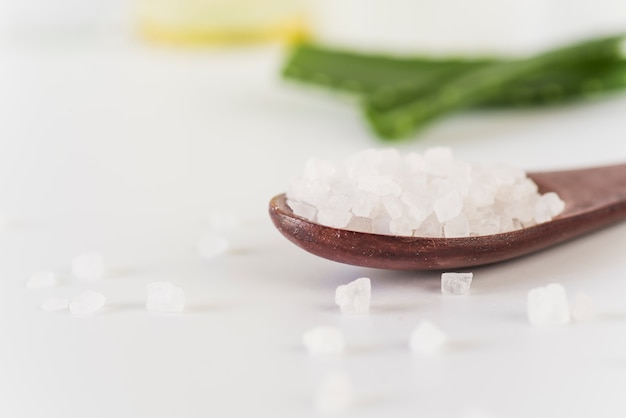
116,147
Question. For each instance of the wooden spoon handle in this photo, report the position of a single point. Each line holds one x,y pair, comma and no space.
585,189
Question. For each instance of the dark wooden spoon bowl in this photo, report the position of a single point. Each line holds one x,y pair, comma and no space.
594,198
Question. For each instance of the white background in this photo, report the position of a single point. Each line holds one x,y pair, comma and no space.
110,145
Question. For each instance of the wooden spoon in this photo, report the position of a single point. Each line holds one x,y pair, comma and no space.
594,198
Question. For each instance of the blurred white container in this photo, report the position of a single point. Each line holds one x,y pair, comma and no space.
501,26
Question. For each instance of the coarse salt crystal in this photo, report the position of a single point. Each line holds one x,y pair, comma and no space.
334,218
363,203
434,195
305,210
41,279
456,283
548,306
354,297
379,185
165,297
457,227
360,224
336,393
323,340
87,303
400,226
427,337
55,305
88,266
448,206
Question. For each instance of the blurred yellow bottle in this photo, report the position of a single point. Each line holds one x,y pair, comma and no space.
221,21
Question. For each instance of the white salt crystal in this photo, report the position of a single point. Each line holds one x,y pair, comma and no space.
427,337
363,203
41,279
334,218
339,202
429,228
302,209
416,215
508,224
88,266
211,245
485,222
55,305
354,297
548,306
360,224
381,225
548,206
481,195
336,393
324,340
504,175
393,206
87,303
400,226
456,283
379,185
448,206
165,297
457,227
429,195
582,307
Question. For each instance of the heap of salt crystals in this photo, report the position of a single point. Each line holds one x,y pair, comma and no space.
432,194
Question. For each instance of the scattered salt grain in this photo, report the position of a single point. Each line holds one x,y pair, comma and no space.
582,307
548,306
41,279
87,303
55,305
354,297
336,393
212,245
427,337
165,297
432,194
88,266
456,283
324,340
